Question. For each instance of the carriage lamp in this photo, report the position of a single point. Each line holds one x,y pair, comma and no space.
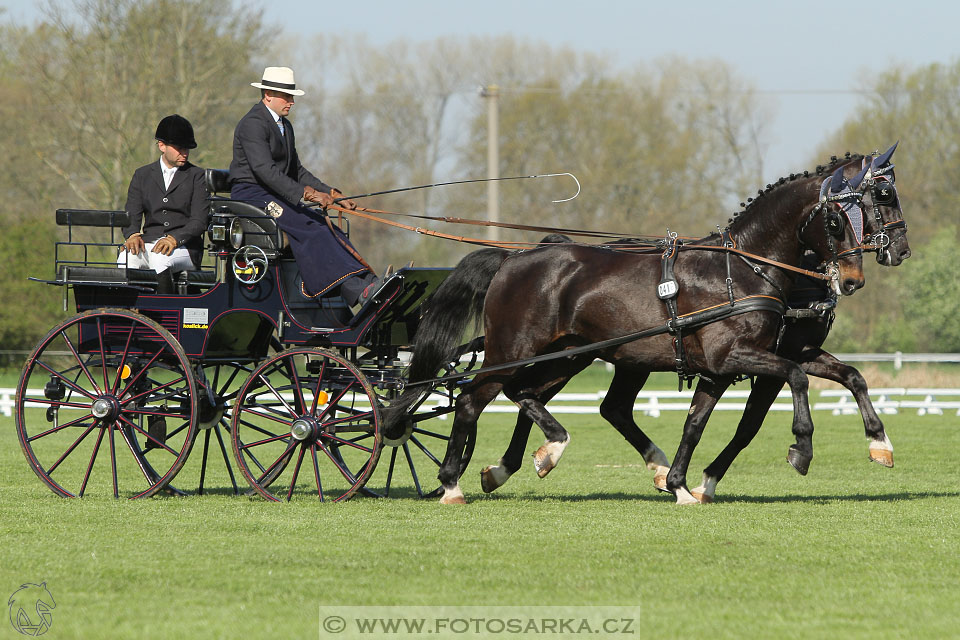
218,232
236,233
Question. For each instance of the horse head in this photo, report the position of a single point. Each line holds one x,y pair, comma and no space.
838,237
886,228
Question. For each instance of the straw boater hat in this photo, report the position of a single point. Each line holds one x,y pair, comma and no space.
278,79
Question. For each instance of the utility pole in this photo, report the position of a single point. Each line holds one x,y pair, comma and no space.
491,93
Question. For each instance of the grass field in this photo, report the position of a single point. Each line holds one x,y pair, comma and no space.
851,550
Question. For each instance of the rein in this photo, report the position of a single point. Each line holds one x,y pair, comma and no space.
365,213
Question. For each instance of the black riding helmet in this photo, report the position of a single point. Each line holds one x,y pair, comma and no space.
176,130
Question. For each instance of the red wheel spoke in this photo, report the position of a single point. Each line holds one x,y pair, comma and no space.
439,436
70,449
413,470
139,460
360,417
103,355
76,355
296,472
335,404
153,390
58,428
142,371
316,471
298,392
344,472
256,428
113,462
148,412
268,417
149,437
266,441
316,390
276,462
348,443
57,403
93,457
123,360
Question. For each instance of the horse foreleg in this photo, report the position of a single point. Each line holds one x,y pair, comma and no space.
617,409
818,362
556,437
705,398
762,395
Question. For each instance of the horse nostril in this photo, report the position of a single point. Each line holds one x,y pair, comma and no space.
904,254
851,284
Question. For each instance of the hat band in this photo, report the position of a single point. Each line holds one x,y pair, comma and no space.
278,85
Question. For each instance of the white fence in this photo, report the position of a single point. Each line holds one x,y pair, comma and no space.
653,403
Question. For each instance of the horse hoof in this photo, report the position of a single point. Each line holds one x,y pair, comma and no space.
684,497
548,455
701,496
882,456
660,479
493,477
798,460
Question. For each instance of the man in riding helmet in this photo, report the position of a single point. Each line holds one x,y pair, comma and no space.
266,172
167,204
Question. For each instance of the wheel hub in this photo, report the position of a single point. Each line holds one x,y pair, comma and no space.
105,408
303,428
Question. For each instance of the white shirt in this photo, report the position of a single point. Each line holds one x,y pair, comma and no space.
276,120
167,173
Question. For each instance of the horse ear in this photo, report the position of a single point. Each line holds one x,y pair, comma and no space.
884,158
836,183
867,161
857,179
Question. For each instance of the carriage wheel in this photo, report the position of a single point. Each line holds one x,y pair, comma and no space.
306,423
415,449
107,400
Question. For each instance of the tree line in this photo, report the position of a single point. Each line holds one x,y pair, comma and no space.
672,143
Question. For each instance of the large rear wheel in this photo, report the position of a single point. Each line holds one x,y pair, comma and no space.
106,402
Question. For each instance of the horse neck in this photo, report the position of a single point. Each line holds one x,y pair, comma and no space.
768,227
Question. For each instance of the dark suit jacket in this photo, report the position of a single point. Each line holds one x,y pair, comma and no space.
180,211
262,156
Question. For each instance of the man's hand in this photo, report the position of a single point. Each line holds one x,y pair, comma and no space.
134,244
165,245
312,195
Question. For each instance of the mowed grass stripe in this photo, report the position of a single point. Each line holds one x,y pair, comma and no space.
851,550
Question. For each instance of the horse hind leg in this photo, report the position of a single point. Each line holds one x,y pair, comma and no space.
617,409
492,477
470,404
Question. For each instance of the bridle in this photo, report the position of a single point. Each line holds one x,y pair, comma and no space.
881,183
838,204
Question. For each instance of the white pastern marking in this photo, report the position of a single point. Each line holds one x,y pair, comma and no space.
684,497
548,455
494,477
708,488
882,445
452,496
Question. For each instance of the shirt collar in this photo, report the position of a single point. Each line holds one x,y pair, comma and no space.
276,116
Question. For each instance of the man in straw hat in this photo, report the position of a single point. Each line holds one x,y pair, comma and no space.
266,172
168,199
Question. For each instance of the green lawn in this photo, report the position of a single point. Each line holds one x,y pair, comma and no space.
851,550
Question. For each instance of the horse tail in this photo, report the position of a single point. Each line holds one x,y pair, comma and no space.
457,301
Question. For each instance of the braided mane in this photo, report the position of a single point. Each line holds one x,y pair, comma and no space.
821,170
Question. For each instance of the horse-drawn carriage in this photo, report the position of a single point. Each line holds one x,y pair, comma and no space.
115,397
300,386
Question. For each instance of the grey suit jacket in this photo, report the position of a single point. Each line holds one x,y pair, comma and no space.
180,211
261,155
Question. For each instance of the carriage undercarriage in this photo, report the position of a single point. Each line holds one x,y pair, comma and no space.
236,383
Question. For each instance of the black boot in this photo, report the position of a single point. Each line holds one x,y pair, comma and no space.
165,283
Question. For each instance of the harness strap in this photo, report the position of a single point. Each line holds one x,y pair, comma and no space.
699,318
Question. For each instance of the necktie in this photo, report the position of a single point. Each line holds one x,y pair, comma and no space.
280,124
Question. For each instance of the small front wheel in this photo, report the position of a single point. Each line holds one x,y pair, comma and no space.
306,423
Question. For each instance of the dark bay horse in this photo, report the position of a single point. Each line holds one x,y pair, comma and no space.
804,332
560,297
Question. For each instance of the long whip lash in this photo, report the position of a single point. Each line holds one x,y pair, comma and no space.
444,184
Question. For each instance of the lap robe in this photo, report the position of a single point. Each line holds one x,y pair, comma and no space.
324,254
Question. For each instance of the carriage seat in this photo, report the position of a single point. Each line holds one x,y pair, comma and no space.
119,276
259,228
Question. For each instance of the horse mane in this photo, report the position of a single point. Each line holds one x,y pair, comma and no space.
820,170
